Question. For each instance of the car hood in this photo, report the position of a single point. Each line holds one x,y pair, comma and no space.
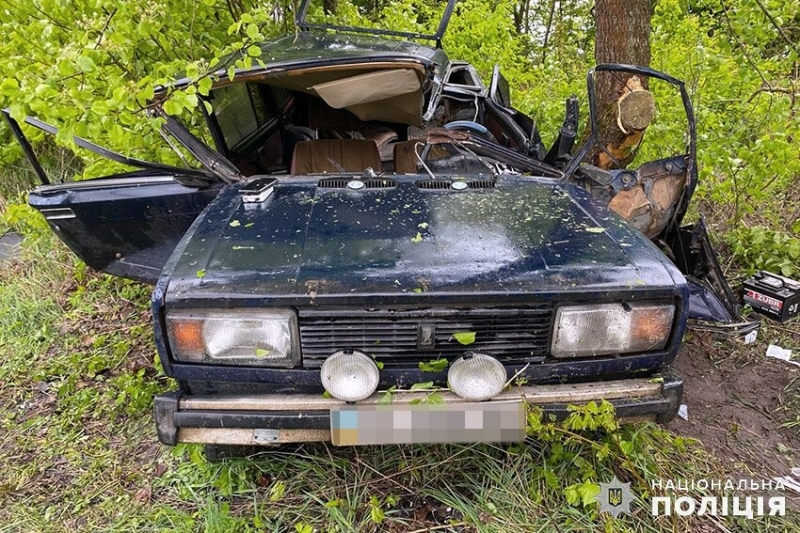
308,244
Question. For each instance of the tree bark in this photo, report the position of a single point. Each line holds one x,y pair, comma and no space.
624,106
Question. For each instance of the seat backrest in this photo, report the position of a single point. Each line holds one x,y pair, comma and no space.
405,162
351,155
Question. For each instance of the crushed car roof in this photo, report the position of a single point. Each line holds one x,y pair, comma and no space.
309,50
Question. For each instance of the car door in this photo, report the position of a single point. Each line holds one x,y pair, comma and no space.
125,224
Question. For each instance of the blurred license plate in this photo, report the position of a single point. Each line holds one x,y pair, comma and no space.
427,423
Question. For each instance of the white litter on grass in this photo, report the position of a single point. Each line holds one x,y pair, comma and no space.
750,338
683,411
791,483
781,353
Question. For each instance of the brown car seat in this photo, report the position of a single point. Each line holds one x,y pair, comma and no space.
348,155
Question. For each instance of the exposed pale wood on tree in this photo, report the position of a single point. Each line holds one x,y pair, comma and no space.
635,109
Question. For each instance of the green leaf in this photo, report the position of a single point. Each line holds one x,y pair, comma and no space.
417,238
588,492
261,352
235,224
435,398
252,31
376,514
253,51
464,337
204,85
628,447
277,491
434,365
85,63
595,230
423,385
582,494
386,398
9,87
201,273
190,102
171,107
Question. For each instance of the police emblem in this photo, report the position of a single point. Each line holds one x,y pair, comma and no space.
615,497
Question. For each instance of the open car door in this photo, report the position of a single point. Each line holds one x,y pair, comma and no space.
124,224
654,196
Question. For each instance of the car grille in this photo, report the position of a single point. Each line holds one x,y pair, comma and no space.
447,184
517,335
371,183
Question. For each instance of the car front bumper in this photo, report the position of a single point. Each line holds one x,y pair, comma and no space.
269,419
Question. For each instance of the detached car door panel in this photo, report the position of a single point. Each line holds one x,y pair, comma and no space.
125,224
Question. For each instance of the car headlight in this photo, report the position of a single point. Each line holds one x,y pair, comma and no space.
587,330
234,336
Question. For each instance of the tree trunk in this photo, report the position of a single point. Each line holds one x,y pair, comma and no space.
624,106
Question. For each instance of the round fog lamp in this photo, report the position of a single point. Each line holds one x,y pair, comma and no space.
349,376
476,377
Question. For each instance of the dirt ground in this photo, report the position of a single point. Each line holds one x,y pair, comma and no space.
738,400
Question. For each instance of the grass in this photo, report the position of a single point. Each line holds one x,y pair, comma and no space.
78,449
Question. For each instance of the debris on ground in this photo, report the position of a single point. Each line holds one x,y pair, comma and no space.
781,353
791,482
10,246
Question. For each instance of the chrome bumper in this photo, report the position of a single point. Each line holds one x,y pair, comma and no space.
283,418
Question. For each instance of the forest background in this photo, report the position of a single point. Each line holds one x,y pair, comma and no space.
78,373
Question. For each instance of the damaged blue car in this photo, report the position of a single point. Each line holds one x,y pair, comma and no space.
377,247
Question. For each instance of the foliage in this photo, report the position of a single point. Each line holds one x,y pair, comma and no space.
24,220
76,438
91,67
767,249
742,72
